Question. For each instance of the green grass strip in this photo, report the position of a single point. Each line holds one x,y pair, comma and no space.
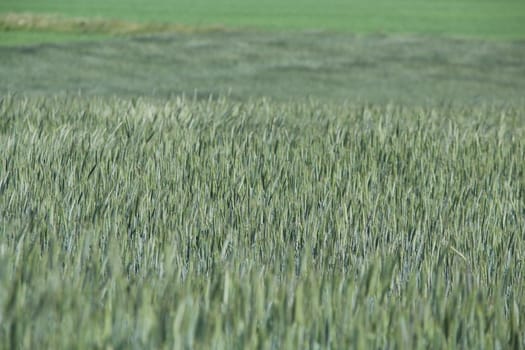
76,25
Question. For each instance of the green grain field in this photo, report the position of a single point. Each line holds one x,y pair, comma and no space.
262,174
220,224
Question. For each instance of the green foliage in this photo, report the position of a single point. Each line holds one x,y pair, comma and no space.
133,223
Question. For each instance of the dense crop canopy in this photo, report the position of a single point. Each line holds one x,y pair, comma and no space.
149,224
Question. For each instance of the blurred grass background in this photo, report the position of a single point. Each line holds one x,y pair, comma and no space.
404,51
283,66
474,18
499,20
